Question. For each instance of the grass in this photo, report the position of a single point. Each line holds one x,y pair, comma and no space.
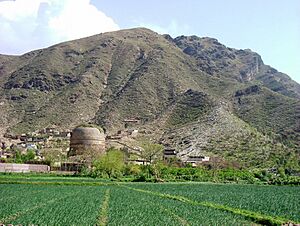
133,208
149,209
265,200
63,203
55,205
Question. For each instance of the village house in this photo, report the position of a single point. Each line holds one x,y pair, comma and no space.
130,122
197,159
170,153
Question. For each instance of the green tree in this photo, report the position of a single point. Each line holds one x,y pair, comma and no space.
151,151
110,164
30,155
18,157
133,169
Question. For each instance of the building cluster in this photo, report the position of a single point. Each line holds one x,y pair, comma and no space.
123,134
34,141
84,144
194,160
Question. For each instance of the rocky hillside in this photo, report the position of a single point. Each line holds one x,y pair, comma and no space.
190,93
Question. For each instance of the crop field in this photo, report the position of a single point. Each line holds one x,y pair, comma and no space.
55,201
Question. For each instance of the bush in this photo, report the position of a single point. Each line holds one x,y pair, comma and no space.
140,178
133,170
111,164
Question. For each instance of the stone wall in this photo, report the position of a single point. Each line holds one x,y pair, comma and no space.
23,168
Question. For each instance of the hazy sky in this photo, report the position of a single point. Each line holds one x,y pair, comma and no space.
269,27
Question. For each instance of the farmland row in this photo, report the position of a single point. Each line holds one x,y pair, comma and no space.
55,205
138,208
85,205
147,204
267,200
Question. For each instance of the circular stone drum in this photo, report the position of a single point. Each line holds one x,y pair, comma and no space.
87,141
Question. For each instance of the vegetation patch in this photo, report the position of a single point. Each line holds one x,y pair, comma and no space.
148,204
257,217
191,106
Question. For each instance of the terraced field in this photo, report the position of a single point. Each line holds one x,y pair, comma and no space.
70,201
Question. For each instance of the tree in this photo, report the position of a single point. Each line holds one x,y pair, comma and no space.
111,163
151,151
18,157
30,155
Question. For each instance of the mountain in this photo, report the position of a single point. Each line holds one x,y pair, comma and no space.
193,94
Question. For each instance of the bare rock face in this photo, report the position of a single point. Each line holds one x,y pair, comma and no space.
86,142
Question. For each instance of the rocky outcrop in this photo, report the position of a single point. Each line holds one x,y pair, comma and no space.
249,90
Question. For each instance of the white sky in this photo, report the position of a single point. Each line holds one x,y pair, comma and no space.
33,24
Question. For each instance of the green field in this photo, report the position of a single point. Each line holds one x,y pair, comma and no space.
84,201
